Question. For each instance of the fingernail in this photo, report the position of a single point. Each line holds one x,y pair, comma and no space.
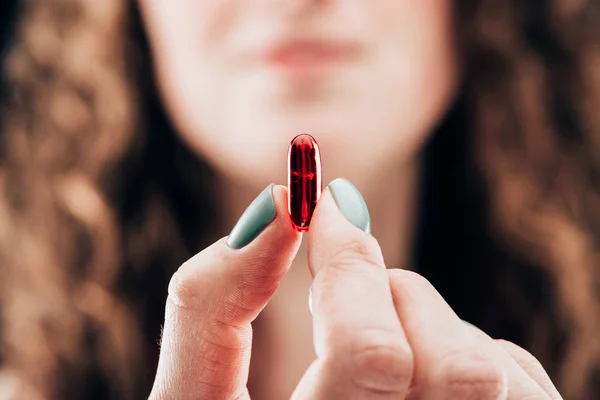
259,214
351,203
469,324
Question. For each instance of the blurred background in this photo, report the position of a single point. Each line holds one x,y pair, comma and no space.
101,198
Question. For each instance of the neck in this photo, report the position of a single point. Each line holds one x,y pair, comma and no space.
392,201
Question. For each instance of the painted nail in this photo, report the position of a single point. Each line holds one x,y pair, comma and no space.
469,324
259,214
351,203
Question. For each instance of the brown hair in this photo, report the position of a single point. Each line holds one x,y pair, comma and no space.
535,89
89,225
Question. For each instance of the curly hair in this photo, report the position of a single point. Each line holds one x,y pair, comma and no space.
535,69
92,181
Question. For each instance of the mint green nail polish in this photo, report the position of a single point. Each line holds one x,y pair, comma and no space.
259,214
351,203
469,324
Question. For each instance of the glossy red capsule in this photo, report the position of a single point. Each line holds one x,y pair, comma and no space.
304,180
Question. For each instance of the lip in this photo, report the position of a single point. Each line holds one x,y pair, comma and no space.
302,54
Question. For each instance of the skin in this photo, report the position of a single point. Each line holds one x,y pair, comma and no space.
377,333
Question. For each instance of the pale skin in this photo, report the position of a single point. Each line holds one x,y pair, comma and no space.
375,332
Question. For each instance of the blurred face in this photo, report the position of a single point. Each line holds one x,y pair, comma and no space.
240,78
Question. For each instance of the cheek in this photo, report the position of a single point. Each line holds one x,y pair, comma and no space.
186,38
216,19
434,16
186,27
417,62
423,30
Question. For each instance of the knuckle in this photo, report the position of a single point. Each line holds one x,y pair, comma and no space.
471,375
407,281
382,368
525,359
530,364
356,252
184,290
403,277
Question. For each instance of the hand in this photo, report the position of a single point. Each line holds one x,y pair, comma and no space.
388,334
379,334
214,296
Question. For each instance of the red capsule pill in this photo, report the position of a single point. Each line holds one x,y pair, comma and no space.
304,180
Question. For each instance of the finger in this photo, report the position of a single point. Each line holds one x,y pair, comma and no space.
215,295
449,362
521,384
361,348
531,366
452,362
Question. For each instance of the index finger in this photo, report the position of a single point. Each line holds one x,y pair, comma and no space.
214,297
359,341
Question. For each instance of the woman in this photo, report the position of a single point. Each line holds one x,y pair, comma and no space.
469,128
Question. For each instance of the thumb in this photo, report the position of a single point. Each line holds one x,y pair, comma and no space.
361,347
213,298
